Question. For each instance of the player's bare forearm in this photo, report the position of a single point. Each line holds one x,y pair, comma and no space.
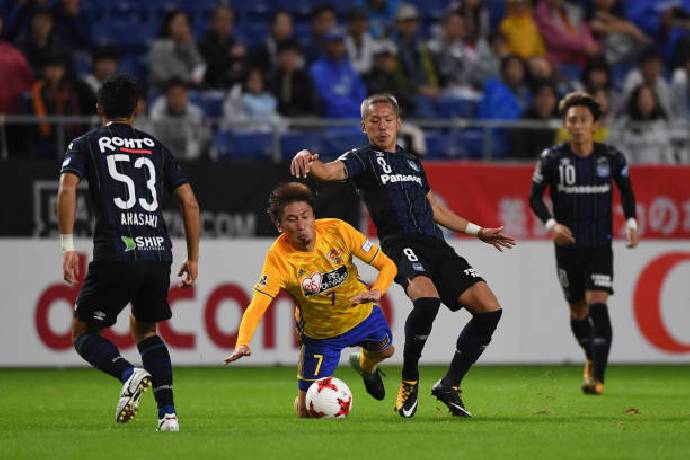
191,218
67,202
306,163
446,217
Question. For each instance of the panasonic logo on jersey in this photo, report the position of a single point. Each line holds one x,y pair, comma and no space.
400,178
112,143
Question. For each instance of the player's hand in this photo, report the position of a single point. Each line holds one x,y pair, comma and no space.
371,295
70,267
496,238
242,350
632,237
561,235
188,272
301,163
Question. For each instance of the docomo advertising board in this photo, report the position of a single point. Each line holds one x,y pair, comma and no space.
649,311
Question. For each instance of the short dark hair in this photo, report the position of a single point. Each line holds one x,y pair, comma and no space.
579,99
318,10
119,95
287,193
105,52
174,82
288,44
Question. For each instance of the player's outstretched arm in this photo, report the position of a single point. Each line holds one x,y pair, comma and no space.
386,273
250,320
66,209
306,163
192,229
447,218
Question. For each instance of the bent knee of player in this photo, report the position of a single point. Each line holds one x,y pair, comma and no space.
140,330
79,328
421,286
579,310
596,297
479,299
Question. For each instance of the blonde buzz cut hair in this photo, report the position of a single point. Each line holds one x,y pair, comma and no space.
376,98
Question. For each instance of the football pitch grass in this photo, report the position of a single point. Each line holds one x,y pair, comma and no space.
530,412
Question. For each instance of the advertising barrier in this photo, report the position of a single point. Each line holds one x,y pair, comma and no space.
650,309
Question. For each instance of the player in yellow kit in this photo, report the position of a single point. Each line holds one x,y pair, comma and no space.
312,261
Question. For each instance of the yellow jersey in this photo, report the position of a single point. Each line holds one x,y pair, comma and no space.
322,281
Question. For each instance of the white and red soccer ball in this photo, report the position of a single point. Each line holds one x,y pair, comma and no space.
329,397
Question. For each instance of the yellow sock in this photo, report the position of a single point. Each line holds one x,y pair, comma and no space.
369,359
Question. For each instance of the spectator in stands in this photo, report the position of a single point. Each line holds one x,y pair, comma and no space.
41,42
490,53
620,39
323,20
539,69
251,103
17,16
359,42
566,35
339,86
456,60
644,136
384,79
530,142
104,64
508,97
72,24
521,32
680,89
415,61
225,56
291,85
178,123
265,56
55,93
15,75
381,15
477,18
650,73
175,54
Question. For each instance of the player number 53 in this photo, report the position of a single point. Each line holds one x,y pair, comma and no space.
131,191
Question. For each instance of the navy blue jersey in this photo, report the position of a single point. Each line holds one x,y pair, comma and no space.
394,188
581,191
127,170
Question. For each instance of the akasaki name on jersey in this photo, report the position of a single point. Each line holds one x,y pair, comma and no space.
127,170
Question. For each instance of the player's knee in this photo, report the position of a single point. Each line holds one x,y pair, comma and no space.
140,330
579,311
79,328
424,311
479,299
420,287
477,334
388,352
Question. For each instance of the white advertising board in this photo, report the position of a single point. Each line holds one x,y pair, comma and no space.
650,310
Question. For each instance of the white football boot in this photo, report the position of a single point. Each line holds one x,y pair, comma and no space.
132,391
168,423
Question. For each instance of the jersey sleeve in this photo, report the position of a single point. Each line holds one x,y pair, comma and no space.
358,244
425,181
354,164
621,175
540,179
173,176
271,279
75,158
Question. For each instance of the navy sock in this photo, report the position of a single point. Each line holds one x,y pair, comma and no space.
156,359
103,354
470,345
582,330
417,329
602,334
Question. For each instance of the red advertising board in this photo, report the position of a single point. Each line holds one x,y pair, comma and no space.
492,195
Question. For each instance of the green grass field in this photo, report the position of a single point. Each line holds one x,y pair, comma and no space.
520,412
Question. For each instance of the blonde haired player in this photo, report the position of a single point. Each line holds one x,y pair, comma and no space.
312,261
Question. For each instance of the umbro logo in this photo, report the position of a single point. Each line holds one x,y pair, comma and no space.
99,316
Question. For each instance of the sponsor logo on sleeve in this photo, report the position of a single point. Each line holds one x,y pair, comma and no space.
366,247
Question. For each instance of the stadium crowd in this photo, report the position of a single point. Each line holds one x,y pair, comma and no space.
215,71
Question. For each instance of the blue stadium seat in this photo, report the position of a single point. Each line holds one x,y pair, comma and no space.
437,144
243,146
339,140
457,107
294,141
434,9
472,142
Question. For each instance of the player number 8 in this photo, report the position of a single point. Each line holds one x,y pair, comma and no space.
410,255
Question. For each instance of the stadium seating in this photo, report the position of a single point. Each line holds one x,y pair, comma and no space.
243,146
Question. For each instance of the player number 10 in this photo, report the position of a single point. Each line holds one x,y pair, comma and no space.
567,173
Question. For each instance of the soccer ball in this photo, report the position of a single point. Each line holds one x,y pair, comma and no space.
329,397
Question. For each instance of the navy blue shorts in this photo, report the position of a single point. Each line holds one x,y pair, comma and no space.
319,357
